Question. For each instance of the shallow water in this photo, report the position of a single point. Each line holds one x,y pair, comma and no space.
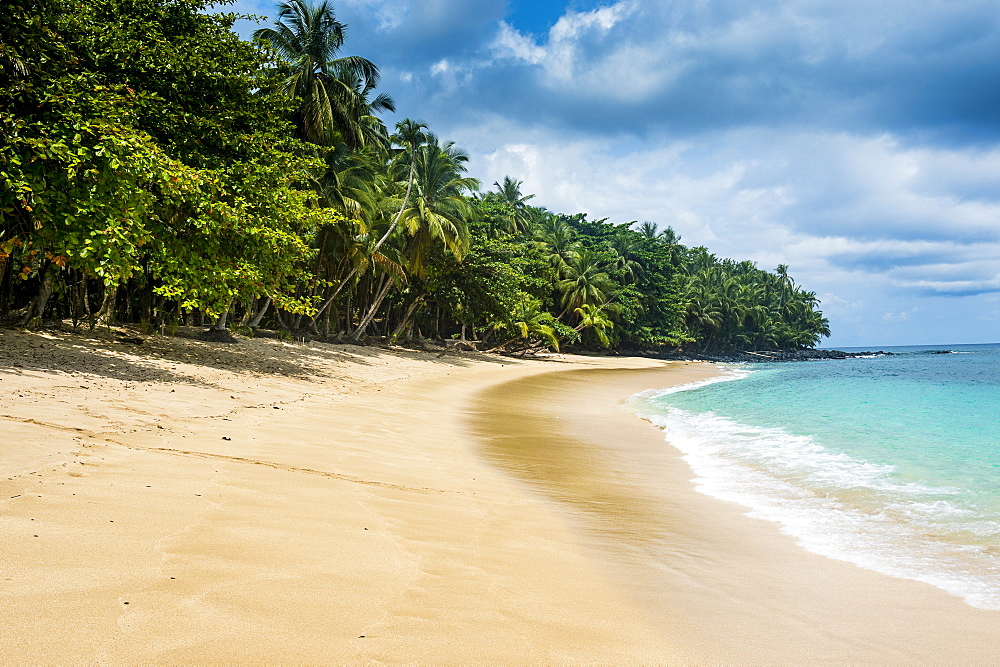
892,463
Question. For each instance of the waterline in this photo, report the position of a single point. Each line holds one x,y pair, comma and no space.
853,484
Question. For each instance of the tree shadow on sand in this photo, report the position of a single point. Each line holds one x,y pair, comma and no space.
127,355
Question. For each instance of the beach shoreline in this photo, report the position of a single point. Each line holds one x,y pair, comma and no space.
179,501
727,588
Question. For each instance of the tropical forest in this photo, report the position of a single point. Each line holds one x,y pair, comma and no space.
157,169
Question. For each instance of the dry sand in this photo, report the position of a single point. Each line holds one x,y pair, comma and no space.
180,501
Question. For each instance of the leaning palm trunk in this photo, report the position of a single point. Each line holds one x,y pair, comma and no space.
370,315
406,317
259,315
399,214
502,345
381,241
329,300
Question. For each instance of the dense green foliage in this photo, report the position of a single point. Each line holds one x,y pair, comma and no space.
155,168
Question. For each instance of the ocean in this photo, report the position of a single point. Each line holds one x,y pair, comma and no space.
888,462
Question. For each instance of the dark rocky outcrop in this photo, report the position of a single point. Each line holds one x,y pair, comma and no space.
771,356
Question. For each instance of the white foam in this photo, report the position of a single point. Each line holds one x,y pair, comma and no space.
729,374
834,504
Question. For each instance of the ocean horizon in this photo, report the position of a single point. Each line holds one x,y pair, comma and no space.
887,462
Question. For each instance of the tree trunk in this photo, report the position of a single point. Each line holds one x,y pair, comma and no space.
326,324
220,322
503,344
78,307
247,312
33,318
158,314
281,320
7,282
406,316
147,304
349,313
255,320
85,298
378,244
106,313
370,315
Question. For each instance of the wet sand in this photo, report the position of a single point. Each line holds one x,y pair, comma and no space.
725,588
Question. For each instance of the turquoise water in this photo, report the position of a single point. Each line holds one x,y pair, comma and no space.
892,463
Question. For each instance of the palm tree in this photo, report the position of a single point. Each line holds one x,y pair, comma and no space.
532,323
648,230
332,92
509,194
346,184
410,134
591,317
357,91
625,244
557,239
585,282
438,209
784,283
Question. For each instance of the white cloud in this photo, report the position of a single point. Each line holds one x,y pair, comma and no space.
627,71
389,14
441,67
899,317
509,43
574,24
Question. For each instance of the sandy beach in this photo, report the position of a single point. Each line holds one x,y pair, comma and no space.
175,501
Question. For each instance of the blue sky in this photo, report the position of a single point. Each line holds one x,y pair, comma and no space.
857,142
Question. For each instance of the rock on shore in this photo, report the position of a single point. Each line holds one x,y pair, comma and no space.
770,356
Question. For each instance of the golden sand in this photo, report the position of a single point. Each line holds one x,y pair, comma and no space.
265,502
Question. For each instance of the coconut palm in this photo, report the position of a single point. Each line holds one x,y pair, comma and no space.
410,134
332,92
347,182
557,240
594,319
648,230
785,283
509,194
437,209
626,246
532,323
585,282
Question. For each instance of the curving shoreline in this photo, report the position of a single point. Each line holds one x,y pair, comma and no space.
272,502
725,588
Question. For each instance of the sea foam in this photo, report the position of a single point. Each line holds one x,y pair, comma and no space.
834,504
